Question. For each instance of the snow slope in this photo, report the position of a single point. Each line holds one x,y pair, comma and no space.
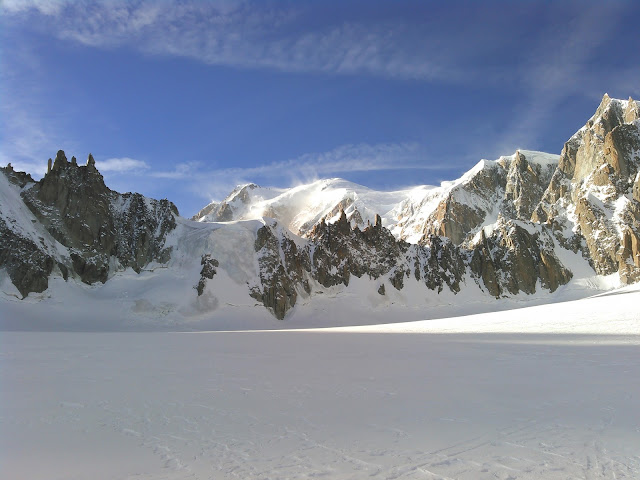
163,298
435,400
17,216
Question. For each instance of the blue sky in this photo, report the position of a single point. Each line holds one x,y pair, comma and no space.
184,100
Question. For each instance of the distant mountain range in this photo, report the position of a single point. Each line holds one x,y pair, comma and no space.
523,224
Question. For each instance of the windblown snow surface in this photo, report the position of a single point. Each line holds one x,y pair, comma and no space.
544,392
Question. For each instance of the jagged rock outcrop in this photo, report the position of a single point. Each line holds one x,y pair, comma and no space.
141,226
25,254
208,271
510,186
100,229
21,179
439,262
515,257
592,202
340,251
337,251
28,265
282,270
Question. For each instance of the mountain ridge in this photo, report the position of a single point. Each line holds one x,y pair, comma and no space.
526,223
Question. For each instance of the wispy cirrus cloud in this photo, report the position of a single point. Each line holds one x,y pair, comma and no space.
247,35
561,64
208,183
122,165
343,159
339,162
180,171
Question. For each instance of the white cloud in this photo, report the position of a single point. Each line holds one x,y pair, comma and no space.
121,165
247,36
343,159
455,47
46,7
181,171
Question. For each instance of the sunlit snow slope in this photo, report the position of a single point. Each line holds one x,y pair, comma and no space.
442,400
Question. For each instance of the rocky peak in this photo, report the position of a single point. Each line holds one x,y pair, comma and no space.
343,225
511,186
241,193
527,179
225,211
96,224
74,204
609,114
632,112
60,161
596,180
588,144
378,224
65,176
20,179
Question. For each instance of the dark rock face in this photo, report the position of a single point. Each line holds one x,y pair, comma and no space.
208,271
509,261
340,251
513,259
141,227
439,262
94,223
21,179
27,265
336,252
283,270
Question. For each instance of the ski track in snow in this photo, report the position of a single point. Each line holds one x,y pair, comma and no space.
328,403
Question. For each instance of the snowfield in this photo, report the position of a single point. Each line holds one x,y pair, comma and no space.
544,392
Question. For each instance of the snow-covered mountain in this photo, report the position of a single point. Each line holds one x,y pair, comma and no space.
526,226
489,188
302,207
